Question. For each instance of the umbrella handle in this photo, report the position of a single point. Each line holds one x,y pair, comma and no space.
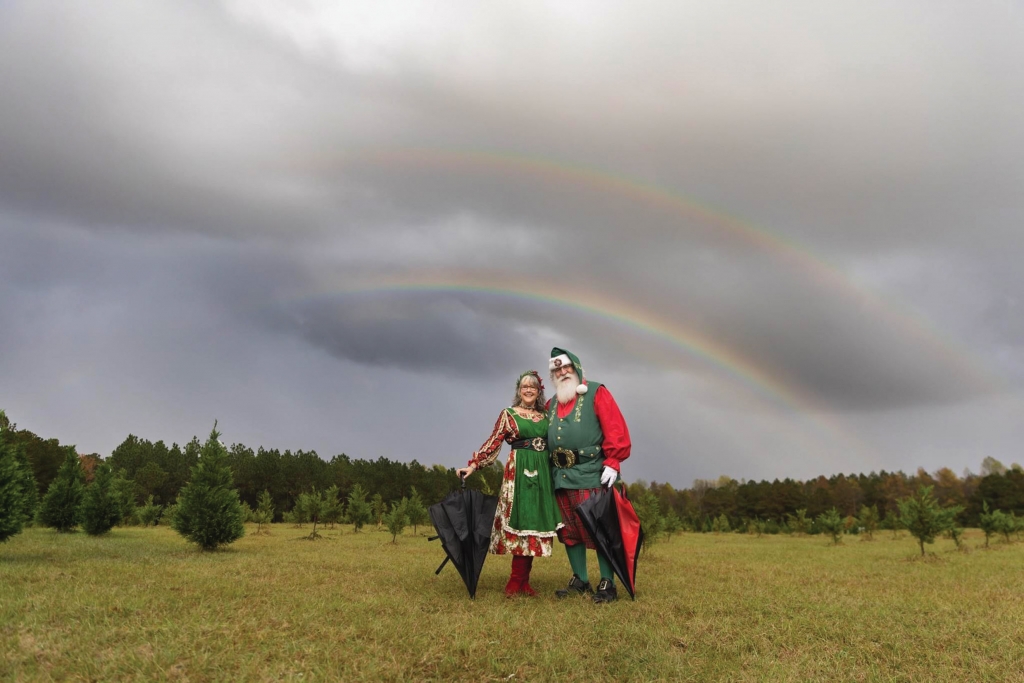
462,478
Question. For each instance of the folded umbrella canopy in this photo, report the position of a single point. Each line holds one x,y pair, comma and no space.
613,525
463,523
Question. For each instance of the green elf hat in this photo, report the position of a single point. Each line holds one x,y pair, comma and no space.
560,357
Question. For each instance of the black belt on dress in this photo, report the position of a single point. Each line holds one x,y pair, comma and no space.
537,443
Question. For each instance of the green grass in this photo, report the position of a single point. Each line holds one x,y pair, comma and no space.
140,604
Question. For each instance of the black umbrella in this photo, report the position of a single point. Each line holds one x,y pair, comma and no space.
463,522
613,525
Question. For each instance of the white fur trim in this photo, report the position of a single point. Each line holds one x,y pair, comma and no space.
582,389
559,361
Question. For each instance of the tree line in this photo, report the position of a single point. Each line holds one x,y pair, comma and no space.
148,478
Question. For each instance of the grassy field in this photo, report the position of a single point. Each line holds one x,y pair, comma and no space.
140,604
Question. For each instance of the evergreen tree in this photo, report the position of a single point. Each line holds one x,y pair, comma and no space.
989,522
397,519
868,520
832,524
123,491
17,485
922,516
799,522
209,512
63,500
99,506
149,513
359,512
416,510
673,524
332,506
379,508
313,505
264,512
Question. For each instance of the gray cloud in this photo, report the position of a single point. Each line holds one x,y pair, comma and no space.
234,210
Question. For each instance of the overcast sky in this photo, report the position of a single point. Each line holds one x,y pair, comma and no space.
787,236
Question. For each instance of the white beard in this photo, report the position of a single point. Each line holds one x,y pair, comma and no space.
565,388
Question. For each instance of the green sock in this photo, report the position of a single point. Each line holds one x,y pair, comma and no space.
578,560
606,568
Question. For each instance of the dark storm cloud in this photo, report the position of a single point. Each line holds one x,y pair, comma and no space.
188,187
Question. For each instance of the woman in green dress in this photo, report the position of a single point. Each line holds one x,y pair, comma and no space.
527,517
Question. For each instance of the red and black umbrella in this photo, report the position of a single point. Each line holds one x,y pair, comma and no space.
613,525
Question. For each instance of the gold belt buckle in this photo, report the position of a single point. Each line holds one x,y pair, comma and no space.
564,453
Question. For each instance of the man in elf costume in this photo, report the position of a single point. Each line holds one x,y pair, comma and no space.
588,439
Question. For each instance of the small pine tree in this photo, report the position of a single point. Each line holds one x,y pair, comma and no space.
62,503
1006,524
416,510
168,516
332,507
264,514
648,509
300,511
868,520
832,523
149,513
673,524
922,516
397,519
123,490
313,504
99,511
799,522
17,485
359,512
989,522
379,508
757,526
722,522
209,512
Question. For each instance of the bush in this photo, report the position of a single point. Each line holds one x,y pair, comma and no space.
63,500
209,512
868,520
799,522
99,506
264,513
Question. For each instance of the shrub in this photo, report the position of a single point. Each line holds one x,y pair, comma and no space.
209,512
799,522
264,514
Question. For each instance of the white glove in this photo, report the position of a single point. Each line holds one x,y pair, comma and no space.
608,477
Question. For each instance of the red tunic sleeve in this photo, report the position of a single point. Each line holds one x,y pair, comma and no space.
503,428
616,445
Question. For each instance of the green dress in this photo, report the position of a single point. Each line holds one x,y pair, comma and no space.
527,517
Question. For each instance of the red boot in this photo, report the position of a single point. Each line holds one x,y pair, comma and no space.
515,581
524,587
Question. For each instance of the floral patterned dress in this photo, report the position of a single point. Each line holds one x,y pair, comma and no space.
527,514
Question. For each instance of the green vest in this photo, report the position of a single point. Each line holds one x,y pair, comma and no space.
580,431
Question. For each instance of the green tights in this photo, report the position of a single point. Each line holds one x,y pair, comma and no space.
578,561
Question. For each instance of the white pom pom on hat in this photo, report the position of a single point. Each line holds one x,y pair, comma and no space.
581,389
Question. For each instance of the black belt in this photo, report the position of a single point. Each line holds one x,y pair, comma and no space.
563,458
537,443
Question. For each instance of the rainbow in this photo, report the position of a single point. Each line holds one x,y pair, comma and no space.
740,370
824,274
